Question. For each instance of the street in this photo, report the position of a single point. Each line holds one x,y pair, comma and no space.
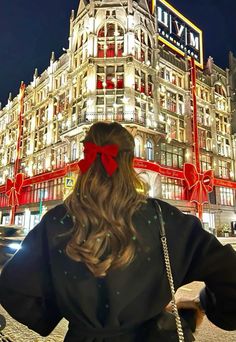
16,332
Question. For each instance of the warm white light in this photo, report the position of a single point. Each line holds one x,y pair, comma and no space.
91,83
125,99
33,123
90,47
187,155
15,246
89,102
130,20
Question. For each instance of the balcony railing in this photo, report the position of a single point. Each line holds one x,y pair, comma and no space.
126,117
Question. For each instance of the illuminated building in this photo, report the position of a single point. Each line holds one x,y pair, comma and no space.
127,65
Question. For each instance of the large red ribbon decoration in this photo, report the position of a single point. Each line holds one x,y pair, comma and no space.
13,189
200,184
108,152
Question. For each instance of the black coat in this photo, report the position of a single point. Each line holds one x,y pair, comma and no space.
40,285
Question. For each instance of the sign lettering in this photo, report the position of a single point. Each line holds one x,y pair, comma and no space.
178,32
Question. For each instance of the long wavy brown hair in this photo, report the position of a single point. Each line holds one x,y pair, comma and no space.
102,206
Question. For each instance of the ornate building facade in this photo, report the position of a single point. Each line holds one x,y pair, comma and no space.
116,69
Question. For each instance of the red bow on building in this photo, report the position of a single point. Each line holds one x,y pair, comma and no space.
108,152
13,189
200,183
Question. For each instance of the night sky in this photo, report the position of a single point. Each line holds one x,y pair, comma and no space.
31,30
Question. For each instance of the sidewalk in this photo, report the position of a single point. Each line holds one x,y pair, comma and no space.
230,240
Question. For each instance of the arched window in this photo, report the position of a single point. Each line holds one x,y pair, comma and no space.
219,89
138,147
150,150
110,40
73,151
143,46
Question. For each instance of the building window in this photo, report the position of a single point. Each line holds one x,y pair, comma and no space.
5,219
110,81
172,127
150,150
171,76
222,123
143,83
110,77
172,189
226,196
206,162
168,100
143,46
172,156
202,138
60,157
110,41
39,164
224,169
180,104
138,147
73,151
223,145
203,93
220,90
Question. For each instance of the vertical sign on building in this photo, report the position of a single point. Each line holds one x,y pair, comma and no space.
179,33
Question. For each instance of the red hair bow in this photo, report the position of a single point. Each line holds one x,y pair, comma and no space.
13,189
108,153
200,184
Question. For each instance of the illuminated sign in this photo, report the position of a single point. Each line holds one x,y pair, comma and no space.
178,32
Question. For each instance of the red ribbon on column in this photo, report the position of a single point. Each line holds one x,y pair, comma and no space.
200,183
13,189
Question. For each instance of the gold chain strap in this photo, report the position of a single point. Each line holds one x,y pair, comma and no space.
169,273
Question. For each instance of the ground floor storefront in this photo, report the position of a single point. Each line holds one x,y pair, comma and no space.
220,221
218,207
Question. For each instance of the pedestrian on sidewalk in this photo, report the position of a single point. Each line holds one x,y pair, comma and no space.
97,259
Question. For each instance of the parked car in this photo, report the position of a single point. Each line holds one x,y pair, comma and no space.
11,237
